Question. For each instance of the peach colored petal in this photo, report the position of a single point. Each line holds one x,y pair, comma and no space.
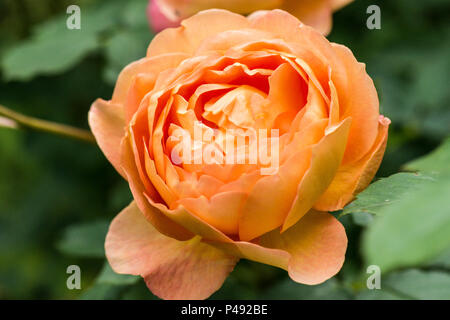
192,223
312,251
255,252
352,178
315,13
107,123
357,99
141,194
172,269
184,9
221,211
316,244
327,156
223,41
288,92
188,37
338,4
152,67
314,52
271,198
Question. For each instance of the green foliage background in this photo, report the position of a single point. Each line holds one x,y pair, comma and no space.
57,196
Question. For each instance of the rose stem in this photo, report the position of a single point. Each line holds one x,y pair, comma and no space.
47,126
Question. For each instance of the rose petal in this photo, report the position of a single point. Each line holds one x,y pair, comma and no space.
152,67
107,123
271,198
357,99
312,251
172,269
317,245
221,211
327,156
351,178
192,32
315,13
184,9
141,194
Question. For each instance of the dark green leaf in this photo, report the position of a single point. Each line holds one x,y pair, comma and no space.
108,276
85,240
411,284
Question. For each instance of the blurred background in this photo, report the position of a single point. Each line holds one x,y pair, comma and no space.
57,196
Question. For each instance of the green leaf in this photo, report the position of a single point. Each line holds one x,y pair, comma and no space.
108,276
384,193
411,231
441,261
411,284
102,291
288,289
134,14
123,48
109,285
47,56
54,48
85,240
437,161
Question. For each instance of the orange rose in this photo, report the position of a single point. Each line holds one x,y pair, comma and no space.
191,223
316,13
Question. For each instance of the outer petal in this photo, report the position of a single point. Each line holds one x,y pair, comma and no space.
317,245
316,13
172,269
157,218
357,99
192,31
354,177
312,251
327,156
150,66
271,198
338,4
107,123
183,8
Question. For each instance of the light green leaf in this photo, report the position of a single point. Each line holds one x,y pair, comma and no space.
85,240
437,161
134,14
54,48
123,48
411,284
49,56
441,261
411,231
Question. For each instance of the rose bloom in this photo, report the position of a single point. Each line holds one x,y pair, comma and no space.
316,13
189,224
